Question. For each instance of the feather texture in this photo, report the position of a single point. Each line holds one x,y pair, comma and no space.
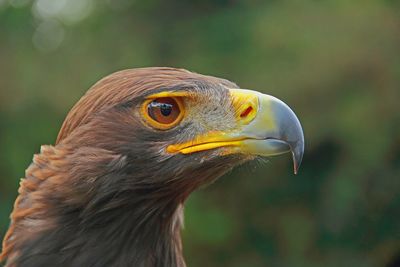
107,194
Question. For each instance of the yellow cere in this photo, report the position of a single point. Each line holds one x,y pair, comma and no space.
245,103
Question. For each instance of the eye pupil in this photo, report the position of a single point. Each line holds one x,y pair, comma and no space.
166,109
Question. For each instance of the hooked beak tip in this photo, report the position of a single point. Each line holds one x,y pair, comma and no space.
295,167
297,155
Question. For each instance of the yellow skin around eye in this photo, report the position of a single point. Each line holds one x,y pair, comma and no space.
156,124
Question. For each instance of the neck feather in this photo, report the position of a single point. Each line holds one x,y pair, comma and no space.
70,212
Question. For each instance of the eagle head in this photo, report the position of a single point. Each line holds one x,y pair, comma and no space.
110,192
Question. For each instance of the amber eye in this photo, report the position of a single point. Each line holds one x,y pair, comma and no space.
164,112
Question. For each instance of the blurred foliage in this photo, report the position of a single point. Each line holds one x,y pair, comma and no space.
336,62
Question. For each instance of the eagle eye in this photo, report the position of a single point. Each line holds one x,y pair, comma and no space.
164,112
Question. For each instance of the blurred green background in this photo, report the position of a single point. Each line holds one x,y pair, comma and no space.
336,63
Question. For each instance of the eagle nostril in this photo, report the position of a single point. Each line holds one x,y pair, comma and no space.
246,112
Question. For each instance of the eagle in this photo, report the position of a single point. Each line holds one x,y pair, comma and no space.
111,190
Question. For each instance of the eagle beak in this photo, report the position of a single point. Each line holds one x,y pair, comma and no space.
274,130
266,126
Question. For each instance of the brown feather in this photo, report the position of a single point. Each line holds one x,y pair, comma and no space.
125,85
106,194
